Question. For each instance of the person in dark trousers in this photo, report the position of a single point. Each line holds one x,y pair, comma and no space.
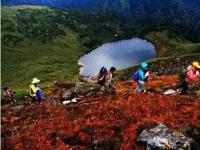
189,76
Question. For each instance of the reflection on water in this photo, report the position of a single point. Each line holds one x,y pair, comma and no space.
121,54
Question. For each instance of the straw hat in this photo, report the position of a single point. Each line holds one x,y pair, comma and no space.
196,64
35,80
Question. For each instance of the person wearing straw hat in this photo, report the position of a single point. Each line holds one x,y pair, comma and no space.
191,74
35,91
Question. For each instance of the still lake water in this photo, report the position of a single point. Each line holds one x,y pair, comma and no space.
120,54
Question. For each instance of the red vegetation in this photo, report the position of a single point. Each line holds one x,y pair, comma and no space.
106,122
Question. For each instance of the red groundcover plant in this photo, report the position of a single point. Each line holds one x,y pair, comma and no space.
108,122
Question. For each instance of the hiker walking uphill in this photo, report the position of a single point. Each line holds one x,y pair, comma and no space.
101,78
188,75
141,76
105,78
109,80
35,91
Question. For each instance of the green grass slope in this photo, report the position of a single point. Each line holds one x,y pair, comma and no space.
46,43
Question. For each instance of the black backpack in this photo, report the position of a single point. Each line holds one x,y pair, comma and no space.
102,76
103,70
182,74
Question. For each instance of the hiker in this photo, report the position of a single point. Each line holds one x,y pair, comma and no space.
109,80
101,78
35,91
105,79
188,75
8,95
141,76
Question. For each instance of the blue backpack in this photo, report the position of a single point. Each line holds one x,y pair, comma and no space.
135,76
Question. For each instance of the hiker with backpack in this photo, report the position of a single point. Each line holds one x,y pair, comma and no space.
101,78
105,79
188,75
35,91
141,76
109,80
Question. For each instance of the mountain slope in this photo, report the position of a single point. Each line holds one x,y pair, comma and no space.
102,121
182,12
152,8
47,43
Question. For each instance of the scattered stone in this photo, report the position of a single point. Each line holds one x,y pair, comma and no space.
169,92
161,137
18,108
178,59
66,102
194,133
74,100
67,95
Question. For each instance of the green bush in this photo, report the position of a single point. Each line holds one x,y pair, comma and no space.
20,95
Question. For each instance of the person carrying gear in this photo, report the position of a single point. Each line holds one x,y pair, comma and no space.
109,80
141,76
8,95
101,79
35,91
189,75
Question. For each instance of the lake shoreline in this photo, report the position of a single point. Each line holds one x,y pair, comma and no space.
135,50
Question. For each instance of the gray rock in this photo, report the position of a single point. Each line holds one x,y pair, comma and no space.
178,59
161,137
67,95
18,108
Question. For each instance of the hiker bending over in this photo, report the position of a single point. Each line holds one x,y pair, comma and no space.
109,79
141,76
35,91
8,95
188,76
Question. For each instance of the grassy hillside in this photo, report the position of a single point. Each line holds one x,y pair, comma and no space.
47,43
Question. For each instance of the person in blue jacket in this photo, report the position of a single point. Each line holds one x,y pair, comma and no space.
142,76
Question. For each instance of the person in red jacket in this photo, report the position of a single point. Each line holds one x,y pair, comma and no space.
8,95
191,74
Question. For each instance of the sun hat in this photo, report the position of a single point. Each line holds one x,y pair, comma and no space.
196,64
35,80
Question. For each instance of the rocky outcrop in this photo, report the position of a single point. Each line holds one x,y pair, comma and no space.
161,137
71,93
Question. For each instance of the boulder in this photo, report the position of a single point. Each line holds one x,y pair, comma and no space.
161,137
67,95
